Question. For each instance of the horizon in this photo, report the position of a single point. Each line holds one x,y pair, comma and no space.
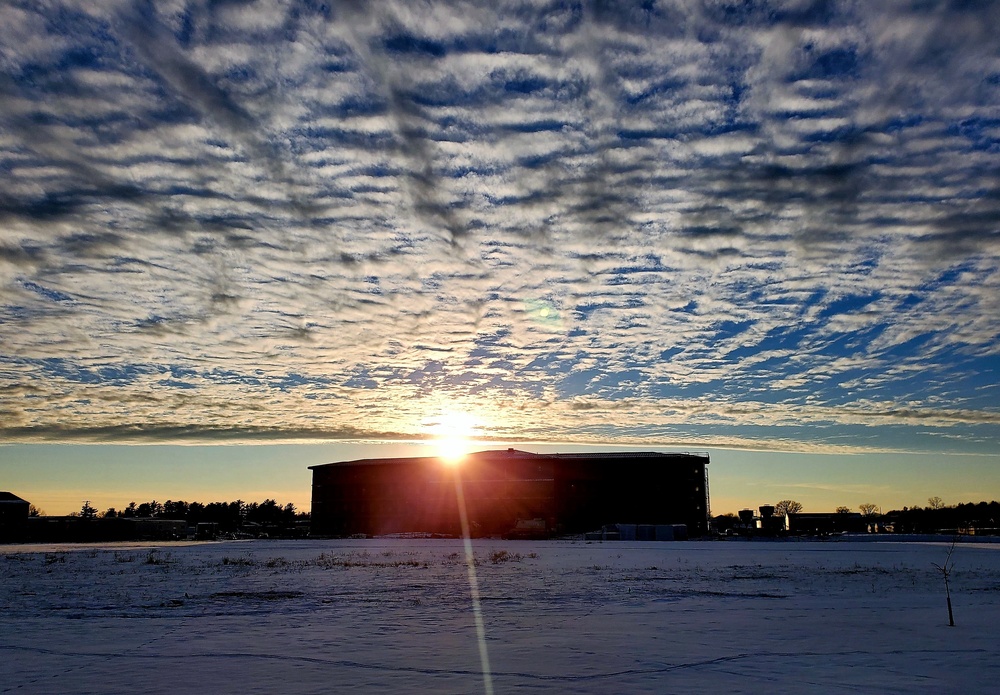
234,238
746,479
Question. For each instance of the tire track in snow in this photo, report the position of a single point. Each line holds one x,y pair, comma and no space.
570,678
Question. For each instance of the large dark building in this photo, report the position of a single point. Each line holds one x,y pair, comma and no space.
571,493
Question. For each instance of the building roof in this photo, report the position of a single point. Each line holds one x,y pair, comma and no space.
11,497
630,455
518,454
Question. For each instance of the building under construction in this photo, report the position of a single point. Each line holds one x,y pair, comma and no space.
509,491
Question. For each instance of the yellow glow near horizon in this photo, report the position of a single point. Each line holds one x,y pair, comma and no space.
452,451
453,434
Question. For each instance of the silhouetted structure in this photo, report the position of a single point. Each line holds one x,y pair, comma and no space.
770,525
826,524
13,517
76,529
571,493
750,524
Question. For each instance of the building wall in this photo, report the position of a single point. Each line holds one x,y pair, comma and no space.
572,493
13,517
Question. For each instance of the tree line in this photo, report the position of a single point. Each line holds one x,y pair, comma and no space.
230,516
934,517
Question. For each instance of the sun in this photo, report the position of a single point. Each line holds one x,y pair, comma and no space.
452,450
452,436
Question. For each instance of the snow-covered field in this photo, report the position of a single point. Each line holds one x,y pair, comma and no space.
395,616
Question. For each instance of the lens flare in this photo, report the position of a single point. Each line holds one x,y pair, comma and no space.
543,313
452,435
477,606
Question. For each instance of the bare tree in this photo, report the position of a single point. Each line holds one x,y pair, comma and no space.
35,511
843,510
868,509
935,502
787,507
945,569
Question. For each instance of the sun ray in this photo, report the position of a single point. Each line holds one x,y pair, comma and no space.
452,434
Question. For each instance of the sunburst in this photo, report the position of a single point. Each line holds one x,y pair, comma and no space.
453,435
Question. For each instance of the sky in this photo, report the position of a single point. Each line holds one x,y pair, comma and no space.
238,239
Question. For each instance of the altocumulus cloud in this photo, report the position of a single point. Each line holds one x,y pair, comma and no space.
767,224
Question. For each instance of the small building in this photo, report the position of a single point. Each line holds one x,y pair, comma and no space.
206,531
826,524
768,523
13,517
751,524
640,532
508,490
76,529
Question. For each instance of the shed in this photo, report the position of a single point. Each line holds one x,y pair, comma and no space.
13,517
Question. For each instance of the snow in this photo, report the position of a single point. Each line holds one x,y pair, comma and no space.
395,615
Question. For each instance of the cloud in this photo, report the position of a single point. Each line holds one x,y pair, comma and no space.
760,225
